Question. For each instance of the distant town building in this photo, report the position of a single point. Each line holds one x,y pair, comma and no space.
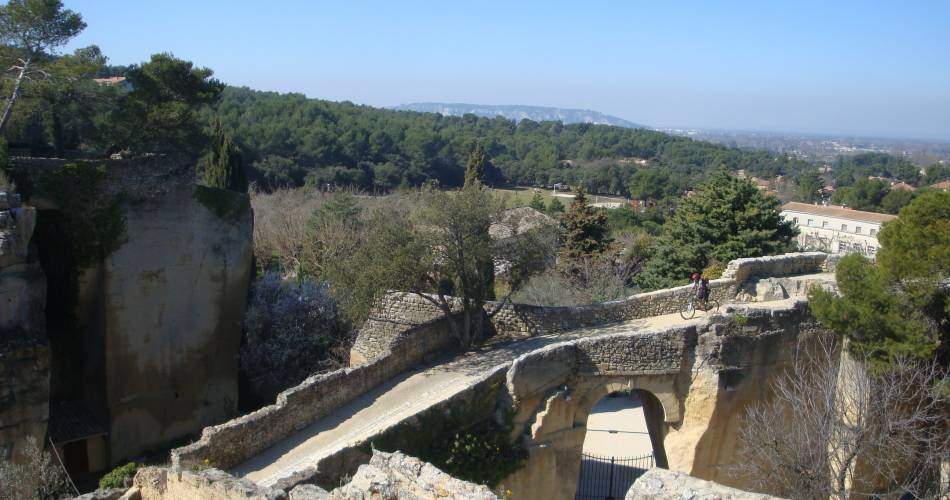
943,186
836,229
113,81
760,183
903,186
608,204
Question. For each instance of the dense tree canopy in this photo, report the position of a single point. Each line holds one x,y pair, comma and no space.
288,137
727,219
161,111
900,305
851,169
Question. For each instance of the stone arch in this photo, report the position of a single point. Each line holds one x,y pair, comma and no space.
555,433
662,387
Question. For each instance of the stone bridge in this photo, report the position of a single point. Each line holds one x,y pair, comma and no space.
546,368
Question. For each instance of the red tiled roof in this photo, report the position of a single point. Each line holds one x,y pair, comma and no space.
837,211
112,80
944,185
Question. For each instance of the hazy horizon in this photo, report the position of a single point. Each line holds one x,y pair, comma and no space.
849,69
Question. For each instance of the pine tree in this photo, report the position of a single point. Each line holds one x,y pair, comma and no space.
555,207
537,202
728,218
585,229
475,170
225,168
897,306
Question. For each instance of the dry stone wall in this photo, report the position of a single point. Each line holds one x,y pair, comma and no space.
233,442
398,313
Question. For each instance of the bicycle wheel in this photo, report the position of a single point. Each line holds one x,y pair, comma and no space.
688,310
712,305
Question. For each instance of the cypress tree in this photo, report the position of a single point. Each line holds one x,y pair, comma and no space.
475,170
537,202
585,229
225,167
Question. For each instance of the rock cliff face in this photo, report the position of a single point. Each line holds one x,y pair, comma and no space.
151,298
24,349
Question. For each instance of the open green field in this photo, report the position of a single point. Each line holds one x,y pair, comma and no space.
517,196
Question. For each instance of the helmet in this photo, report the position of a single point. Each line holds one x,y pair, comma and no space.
695,276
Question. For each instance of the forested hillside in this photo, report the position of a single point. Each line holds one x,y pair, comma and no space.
289,139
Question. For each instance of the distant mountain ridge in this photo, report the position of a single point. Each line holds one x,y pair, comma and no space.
517,113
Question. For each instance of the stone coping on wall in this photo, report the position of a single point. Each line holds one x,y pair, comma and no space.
233,442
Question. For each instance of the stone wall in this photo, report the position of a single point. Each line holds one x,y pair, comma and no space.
162,311
399,312
24,348
233,442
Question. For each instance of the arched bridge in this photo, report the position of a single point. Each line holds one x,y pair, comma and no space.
547,368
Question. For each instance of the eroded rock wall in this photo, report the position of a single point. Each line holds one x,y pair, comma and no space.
161,289
24,348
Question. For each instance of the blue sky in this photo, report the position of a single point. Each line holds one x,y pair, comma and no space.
862,68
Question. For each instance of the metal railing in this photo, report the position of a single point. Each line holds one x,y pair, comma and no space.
609,478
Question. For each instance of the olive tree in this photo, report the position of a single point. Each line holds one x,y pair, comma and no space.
436,245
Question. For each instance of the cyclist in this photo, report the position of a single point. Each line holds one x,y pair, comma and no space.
700,288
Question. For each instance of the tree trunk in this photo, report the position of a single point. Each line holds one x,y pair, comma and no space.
59,138
5,117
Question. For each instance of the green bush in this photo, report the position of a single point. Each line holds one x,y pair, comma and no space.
484,455
116,477
714,270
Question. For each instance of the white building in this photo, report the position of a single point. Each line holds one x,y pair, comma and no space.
836,229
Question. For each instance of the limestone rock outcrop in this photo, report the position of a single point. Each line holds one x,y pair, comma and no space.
662,484
386,476
395,475
151,273
24,348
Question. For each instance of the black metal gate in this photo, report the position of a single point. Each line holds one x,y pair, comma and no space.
609,478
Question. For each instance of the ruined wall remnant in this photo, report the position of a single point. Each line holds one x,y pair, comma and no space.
161,269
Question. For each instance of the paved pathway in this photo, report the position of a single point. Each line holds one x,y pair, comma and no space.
617,427
405,396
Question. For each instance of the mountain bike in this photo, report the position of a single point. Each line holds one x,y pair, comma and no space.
692,304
